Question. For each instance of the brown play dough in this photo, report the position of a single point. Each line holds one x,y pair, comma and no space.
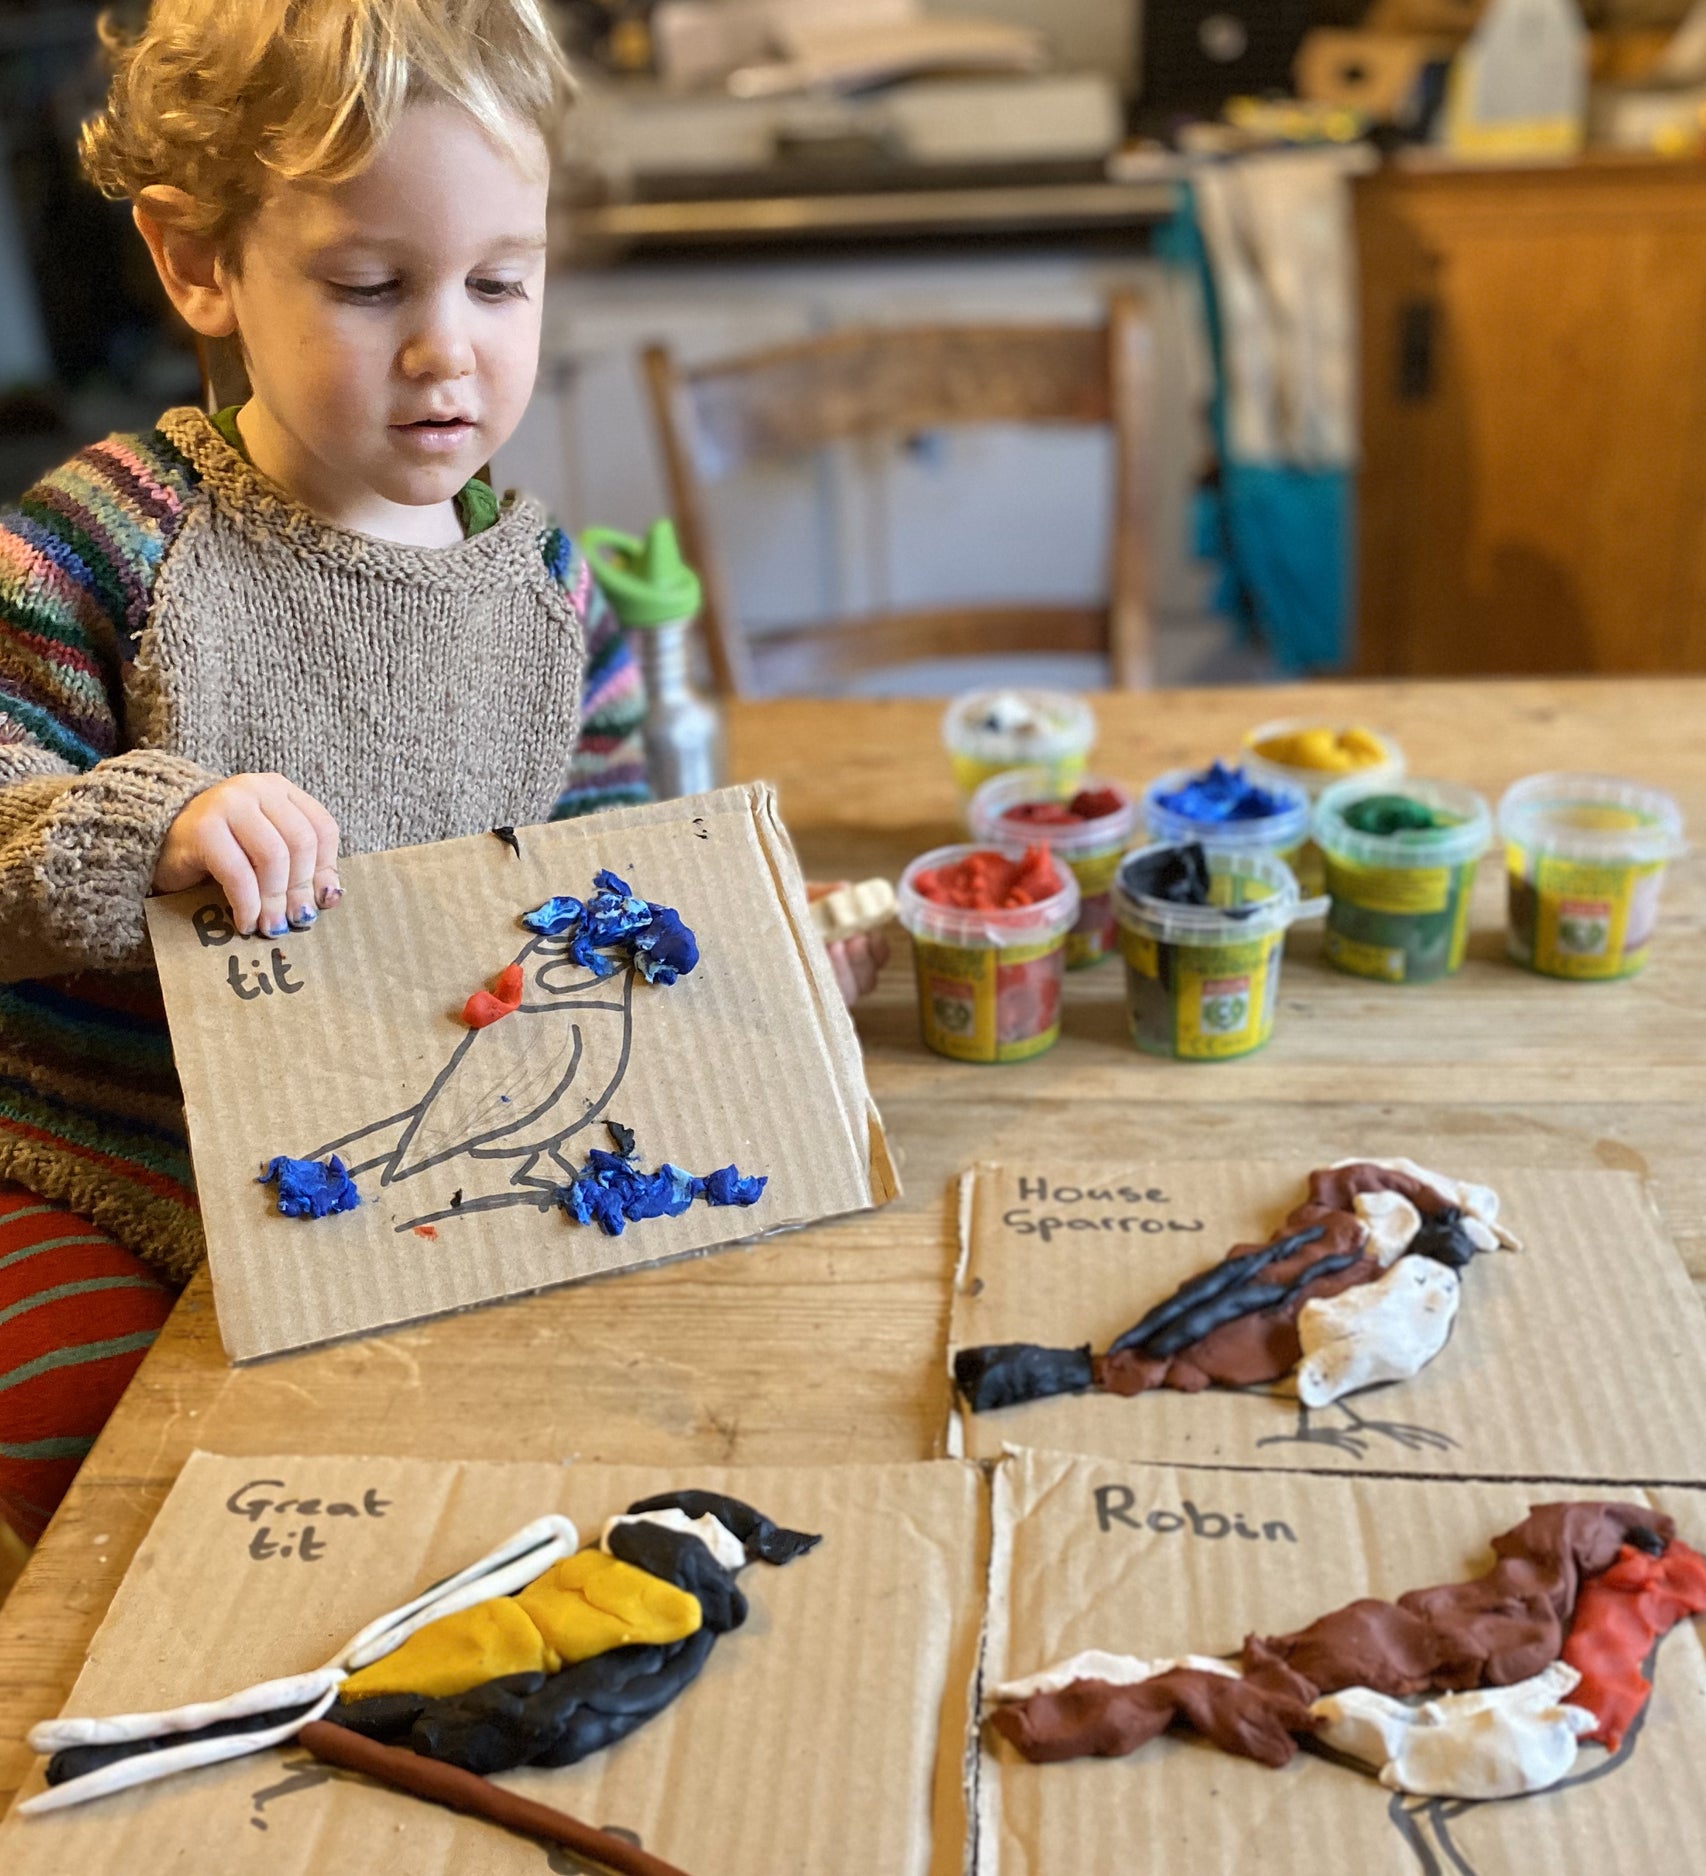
1491,1632
1261,1346
467,1791
1500,1628
1254,1717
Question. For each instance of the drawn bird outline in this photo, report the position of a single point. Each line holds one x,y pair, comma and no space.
505,1092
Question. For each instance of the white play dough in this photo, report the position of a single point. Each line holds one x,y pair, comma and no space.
1387,1330
1116,1670
1479,1204
712,1532
1498,1742
1392,1223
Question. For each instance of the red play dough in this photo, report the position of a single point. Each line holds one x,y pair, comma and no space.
1620,1614
503,999
986,881
1089,804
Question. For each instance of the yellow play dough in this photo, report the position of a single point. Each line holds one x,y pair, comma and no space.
458,1652
1330,751
591,1602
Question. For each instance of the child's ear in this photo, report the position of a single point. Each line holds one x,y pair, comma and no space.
188,263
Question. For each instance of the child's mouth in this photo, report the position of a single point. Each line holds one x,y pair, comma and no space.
436,432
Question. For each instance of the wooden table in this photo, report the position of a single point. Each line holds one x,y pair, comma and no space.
827,1345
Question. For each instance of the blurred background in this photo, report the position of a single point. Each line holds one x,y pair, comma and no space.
1409,376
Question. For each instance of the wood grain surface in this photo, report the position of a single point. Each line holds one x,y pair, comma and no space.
827,1345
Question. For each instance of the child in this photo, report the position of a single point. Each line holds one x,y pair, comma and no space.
237,646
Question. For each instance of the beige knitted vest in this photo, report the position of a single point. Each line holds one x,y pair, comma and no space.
417,693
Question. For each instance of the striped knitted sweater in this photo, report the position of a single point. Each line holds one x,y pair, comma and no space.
108,713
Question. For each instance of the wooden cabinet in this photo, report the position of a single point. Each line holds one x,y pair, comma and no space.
1534,422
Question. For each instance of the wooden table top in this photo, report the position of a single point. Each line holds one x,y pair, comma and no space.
827,1345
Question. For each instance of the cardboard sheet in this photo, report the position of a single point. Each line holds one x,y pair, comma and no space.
349,1039
829,1734
1065,1579
1581,1356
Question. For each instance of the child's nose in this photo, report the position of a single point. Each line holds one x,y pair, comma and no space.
441,349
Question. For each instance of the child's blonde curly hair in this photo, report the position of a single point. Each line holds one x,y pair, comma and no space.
218,97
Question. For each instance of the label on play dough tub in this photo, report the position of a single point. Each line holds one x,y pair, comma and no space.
1201,1003
1400,924
1093,937
1583,919
984,1005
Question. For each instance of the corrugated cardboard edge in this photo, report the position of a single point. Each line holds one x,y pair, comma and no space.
833,1015
953,1442
984,1810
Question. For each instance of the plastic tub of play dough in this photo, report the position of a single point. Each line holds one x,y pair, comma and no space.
1585,857
988,732
1310,754
989,978
1088,826
1202,931
1400,861
1227,810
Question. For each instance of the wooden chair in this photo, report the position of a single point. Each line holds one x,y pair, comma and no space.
714,420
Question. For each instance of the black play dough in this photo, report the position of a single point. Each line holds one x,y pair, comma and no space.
1007,1374
1246,1299
763,1540
1175,875
681,1558
74,1761
1206,1286
535,1719
1443,1238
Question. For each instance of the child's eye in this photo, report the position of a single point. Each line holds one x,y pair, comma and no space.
364,295
499,289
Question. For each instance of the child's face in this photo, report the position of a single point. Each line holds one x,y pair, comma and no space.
372,307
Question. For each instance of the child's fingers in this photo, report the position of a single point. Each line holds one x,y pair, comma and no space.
255,823
226,863
327,888
862,961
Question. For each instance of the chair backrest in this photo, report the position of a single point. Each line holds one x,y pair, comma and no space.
715,420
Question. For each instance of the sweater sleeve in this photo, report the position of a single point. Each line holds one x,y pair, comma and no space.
608,766
82,819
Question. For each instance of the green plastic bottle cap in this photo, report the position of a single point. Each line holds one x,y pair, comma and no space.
646,581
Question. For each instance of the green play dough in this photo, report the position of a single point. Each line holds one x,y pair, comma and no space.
1395,814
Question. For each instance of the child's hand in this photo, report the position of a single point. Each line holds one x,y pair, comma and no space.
857,961
273,848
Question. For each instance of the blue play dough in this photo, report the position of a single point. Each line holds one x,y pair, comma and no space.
613,920
310,1188
612,1192
1219,795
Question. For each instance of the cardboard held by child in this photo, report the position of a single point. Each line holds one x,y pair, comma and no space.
476,1150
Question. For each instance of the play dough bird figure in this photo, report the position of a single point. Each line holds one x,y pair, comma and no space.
541,1054
541,1653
